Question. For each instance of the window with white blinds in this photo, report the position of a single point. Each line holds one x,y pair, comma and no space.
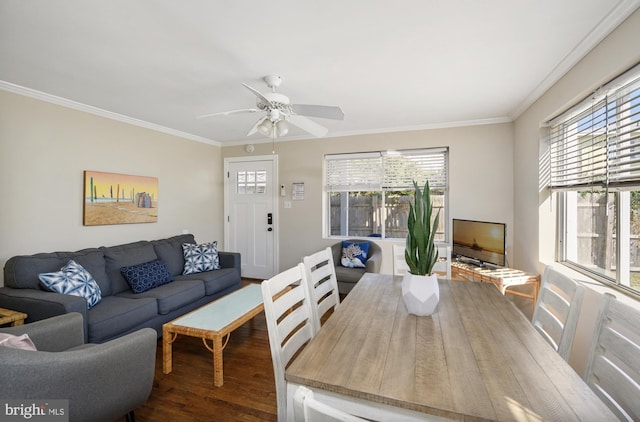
389,170
595,173
597,142
368,194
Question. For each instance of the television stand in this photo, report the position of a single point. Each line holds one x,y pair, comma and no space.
502,277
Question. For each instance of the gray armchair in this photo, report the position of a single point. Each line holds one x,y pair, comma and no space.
348,277
102,382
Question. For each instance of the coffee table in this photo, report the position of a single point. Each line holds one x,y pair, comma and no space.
213,321
13,317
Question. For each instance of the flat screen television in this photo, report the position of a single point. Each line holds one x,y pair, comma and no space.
481,242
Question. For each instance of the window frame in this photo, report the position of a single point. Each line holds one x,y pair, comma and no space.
381,188
616,103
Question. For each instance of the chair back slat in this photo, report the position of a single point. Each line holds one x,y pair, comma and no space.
613,365
556,313
322,284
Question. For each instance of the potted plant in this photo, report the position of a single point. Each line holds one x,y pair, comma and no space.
420,286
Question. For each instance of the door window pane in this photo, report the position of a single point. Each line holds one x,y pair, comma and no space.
251,182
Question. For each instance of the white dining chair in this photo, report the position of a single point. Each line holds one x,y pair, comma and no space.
556,313
308,409
287,310
400,266
322,283
613,362
443,264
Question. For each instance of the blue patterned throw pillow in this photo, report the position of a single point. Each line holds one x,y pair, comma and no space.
199,258
73,279
354,254
146,276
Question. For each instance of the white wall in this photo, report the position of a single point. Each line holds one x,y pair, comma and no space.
535,224
480,177
45,148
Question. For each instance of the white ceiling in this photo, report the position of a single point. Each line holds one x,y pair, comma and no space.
390,65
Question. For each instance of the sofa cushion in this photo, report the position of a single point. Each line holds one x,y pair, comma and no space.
215,281
199,258
21,272
172,296
146,276
349,275
115,315
125,255
73,279
354,254
170,251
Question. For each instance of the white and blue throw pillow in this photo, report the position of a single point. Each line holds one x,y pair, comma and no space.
199,258
146,276
354,254
73,279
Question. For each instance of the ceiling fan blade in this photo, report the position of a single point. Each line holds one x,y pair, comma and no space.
259,95
226,113
308,125
325,112
254,129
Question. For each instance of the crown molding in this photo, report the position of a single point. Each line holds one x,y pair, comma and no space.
43,96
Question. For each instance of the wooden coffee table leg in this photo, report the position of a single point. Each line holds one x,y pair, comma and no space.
216,348
217,361
167,358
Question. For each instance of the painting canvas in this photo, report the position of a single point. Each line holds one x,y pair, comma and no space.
111,198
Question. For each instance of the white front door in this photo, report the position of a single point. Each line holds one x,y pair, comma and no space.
250,209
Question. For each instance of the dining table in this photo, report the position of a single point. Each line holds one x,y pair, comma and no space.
476,358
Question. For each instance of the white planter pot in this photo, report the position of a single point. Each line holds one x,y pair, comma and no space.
421,293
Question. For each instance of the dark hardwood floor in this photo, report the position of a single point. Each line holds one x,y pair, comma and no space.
188,394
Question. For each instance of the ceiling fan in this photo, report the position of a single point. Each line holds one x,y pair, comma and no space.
280,112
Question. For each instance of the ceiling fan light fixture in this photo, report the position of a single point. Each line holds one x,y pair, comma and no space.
265,127
282,128
274,115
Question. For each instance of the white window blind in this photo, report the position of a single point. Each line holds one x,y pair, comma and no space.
354,172
393,170
597,142
402,167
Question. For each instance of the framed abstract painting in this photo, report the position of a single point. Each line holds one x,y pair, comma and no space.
111,198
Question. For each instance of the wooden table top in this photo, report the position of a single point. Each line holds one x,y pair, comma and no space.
477,357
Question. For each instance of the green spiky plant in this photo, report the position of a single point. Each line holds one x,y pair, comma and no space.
420,252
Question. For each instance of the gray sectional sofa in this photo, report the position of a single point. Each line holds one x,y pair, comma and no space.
120,310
